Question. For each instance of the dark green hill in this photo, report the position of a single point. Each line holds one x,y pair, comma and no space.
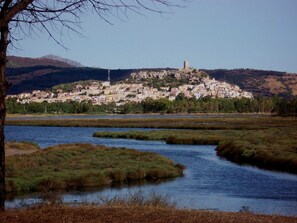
26,79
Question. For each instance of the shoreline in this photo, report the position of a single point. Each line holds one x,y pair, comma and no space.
252,139
131,213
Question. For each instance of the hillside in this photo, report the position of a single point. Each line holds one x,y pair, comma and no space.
259,82
27,74
61,59
164,78
26,79
17,62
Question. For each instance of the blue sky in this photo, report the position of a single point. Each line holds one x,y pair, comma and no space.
210,34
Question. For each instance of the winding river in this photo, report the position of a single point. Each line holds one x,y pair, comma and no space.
209,182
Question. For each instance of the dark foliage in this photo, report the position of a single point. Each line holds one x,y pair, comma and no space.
45,77
275,105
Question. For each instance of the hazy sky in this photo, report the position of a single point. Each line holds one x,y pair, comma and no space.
260,34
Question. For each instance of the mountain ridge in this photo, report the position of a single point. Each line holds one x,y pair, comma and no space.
40,74
259,82
61,59
16,62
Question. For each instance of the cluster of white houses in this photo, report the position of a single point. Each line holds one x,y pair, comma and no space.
102,92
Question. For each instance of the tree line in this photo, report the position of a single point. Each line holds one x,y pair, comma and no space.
181,104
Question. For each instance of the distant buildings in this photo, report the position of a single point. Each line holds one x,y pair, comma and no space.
136,89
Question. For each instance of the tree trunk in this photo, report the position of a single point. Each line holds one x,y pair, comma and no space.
3,89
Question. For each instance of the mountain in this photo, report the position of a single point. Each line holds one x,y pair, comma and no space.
259,82
61,59
17,62
27,74
26,79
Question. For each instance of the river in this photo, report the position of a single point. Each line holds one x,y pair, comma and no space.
209,182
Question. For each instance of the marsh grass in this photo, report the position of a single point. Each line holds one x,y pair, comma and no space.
273,149
206,123
84,165
137,199
270,148
267,142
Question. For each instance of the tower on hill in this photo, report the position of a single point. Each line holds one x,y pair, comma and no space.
186,65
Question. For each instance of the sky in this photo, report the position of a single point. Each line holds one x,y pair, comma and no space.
210,34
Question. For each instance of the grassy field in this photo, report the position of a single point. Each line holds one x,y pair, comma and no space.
84,165
212,123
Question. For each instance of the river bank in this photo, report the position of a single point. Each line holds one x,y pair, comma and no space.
209,182
128,214
244,139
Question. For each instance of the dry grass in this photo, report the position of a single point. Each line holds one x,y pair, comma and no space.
274,85
125,214
291,81
19,148
134,207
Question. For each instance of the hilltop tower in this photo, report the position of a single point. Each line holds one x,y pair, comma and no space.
186,65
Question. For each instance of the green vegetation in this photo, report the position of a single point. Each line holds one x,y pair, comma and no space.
81,165
182,104
13,107
190,137
265,141
210,122
172,79
168,81
69,87
266,145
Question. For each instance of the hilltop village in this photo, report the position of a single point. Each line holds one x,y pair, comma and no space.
139,86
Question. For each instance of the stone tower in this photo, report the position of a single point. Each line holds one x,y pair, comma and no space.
186,65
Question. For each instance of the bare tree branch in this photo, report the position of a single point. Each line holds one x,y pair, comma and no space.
67,13
24,17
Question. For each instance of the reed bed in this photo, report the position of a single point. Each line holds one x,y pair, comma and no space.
210,123
74,166
269,148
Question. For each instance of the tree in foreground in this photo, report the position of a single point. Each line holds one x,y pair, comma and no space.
22,18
